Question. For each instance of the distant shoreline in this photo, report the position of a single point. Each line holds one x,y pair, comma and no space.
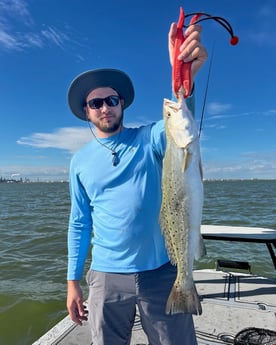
10,181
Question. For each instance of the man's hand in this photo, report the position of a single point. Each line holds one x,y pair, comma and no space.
75,305
191,49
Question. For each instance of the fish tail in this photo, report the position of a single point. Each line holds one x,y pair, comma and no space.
183,301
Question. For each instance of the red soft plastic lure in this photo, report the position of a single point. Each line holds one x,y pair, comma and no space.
181,71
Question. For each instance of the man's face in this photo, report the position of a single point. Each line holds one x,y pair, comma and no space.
107,118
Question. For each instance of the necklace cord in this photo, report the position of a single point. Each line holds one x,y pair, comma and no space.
115,158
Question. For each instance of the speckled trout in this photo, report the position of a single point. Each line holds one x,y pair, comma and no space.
182,202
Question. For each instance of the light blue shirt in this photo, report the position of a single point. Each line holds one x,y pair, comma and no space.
116,208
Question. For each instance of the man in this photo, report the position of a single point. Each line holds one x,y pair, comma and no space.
115,188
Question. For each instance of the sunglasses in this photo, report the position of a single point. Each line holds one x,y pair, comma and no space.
97,103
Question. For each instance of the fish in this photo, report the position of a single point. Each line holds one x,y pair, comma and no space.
182,203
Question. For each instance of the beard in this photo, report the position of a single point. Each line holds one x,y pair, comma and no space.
109,127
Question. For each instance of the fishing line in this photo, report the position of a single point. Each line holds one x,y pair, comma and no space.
206,92
200,17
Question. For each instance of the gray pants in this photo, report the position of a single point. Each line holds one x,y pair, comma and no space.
112,305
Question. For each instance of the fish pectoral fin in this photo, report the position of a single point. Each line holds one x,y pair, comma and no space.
186,160
201,249
201,169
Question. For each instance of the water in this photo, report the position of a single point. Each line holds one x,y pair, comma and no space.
33,252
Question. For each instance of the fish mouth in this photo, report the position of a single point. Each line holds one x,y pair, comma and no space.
170,106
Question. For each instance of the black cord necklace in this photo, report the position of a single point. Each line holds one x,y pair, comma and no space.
115,157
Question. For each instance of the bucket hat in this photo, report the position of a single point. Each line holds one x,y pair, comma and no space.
84,83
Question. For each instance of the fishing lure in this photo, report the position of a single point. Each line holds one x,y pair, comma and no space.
181,71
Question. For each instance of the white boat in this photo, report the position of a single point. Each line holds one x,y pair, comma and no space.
238,307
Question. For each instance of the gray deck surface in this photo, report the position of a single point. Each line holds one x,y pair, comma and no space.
230,303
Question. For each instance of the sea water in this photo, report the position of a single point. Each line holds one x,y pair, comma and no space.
33,247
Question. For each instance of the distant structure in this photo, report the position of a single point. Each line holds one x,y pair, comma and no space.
13,180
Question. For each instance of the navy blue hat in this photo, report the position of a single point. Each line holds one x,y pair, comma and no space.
83,84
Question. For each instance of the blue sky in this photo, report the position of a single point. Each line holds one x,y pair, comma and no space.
44,44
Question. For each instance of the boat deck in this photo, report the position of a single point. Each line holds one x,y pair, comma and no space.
230,303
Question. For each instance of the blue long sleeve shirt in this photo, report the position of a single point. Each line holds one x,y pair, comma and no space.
116,208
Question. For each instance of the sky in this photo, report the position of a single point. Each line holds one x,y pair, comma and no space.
45,44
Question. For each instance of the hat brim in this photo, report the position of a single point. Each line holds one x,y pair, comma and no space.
93,79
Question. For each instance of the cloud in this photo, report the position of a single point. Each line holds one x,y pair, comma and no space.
271,112
34,173
263,33
248,165
218,108
20,41
255,164
70,139
18,30
17,9
214,125
263,38
8,41
55,36
218,111
67,138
